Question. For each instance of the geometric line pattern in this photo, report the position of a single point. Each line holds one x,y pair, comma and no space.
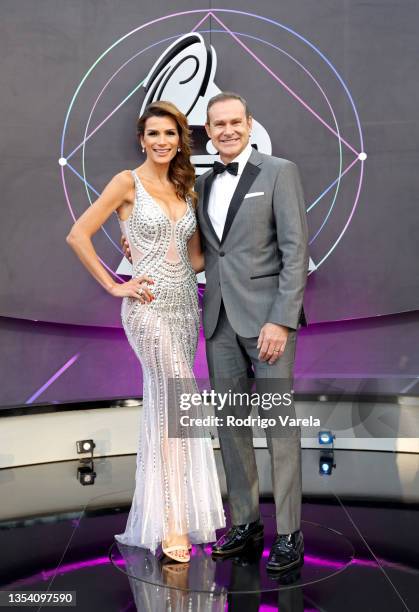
236,36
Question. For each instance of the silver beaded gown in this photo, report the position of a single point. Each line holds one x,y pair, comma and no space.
176,483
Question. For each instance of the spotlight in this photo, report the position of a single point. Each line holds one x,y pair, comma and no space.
85,446
86,473
326,437
326,463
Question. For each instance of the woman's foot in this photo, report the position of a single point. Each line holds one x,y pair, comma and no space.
177,549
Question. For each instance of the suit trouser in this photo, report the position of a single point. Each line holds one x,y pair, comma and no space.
234,358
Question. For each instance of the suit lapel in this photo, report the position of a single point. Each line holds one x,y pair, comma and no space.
250,172
206,193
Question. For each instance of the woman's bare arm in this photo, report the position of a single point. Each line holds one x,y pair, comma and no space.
80,237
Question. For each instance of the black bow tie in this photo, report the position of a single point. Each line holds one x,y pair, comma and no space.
232,168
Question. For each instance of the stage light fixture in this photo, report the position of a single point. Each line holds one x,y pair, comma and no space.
85,446
86,473
326,437
327,463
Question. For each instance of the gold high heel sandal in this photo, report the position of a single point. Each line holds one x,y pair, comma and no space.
182,558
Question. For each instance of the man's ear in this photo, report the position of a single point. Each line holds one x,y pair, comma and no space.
250,122
207,129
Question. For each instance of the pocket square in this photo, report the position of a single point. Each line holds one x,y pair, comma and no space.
254,194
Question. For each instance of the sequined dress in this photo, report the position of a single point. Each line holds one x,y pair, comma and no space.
176,484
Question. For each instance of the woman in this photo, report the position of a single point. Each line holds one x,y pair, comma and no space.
177,497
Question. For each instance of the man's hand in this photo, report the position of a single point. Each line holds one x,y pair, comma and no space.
271,342
125,248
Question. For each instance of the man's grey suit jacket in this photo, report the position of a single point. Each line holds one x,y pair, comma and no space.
259,268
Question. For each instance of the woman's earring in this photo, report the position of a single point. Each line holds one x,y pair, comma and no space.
143,149
179,149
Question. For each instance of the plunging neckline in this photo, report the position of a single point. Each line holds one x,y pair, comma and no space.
158,205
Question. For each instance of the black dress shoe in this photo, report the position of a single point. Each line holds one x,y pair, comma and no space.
287,552
238,538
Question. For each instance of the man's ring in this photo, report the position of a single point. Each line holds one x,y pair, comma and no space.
277,350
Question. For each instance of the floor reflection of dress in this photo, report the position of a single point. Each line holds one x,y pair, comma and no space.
176,487
160,588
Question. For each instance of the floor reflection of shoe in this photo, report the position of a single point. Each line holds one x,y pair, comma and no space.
287,552
251,556
175,569
175,575
286,577
237,539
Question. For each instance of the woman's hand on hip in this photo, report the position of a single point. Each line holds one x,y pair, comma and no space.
135,288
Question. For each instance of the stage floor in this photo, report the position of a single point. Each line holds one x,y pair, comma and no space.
359,555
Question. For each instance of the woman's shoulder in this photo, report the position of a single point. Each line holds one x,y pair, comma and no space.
123,180
124,177
121,186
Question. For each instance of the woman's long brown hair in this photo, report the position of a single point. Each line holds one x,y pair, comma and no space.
181,171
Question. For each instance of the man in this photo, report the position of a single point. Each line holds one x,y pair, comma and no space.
253,227
254,232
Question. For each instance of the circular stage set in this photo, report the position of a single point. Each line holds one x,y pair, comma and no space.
58,522
327,552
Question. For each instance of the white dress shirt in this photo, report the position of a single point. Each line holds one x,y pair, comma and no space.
222,190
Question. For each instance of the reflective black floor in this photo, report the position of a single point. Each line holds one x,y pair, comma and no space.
327,552
359,556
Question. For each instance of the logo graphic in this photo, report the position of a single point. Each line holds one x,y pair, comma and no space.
186,73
